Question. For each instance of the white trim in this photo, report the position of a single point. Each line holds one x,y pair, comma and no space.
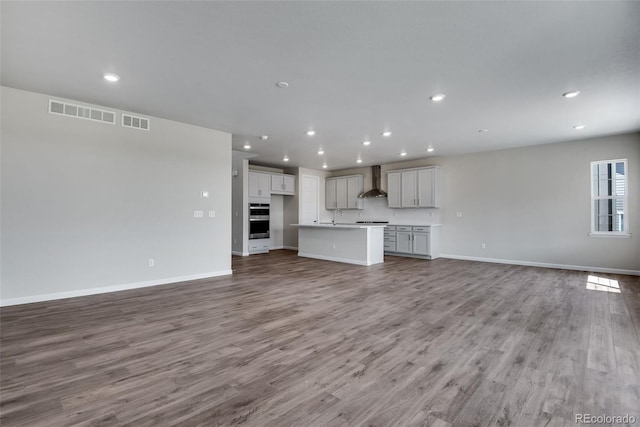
106,289
545,265
238,253
273,248
330,258
610,234
291,248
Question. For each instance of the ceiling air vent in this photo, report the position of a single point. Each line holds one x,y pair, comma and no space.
130,121
81,112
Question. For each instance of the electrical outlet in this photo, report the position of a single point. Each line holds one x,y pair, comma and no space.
204,194
459,214
198,214
334,246
212,214
484,246
152,262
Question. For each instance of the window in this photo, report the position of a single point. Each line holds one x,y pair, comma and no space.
609,206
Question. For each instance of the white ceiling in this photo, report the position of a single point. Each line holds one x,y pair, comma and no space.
354,69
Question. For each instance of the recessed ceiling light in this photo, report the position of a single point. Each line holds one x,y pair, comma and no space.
324,166
572,94
111,77
282,85
367,142
386,133
404,153
578,127
286,158
483,130
321,151
359,161
311,132
264,137
437,97
247,146
430,149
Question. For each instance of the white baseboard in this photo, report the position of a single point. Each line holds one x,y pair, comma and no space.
274,248
545,265
291,248
105,289
238,253
329,258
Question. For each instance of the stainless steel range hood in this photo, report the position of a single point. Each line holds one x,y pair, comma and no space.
375,192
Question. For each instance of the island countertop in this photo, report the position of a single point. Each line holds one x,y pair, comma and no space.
340,225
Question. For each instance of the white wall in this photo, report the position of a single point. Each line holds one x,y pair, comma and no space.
530,205
86,204
240,202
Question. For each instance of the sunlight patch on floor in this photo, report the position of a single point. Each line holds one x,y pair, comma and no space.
595,283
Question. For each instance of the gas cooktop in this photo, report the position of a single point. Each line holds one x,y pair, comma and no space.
372,222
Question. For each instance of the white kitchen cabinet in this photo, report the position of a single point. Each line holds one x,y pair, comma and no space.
420,241
258,246
355,187
342,192
403,242
414,188
409,189
394,189
283,184
331,196
427,190
259,185
390,238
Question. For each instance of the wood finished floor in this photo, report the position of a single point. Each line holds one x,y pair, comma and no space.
289,341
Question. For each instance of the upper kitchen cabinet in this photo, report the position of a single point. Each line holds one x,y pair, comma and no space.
342,192
283,184
414,188
259,185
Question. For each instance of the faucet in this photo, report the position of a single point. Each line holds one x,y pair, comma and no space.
335,213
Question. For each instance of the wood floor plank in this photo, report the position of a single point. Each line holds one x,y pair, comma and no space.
290,341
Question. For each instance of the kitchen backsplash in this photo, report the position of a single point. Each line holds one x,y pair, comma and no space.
377,209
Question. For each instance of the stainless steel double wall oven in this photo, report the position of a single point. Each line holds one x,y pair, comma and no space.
258,220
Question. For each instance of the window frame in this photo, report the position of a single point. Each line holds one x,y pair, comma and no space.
625,200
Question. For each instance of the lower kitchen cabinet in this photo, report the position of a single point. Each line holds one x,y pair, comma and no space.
421,244
417,241
258,246
403,239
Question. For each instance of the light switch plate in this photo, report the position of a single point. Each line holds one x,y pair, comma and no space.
198,214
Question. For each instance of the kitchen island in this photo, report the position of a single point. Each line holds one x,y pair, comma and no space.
361,244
